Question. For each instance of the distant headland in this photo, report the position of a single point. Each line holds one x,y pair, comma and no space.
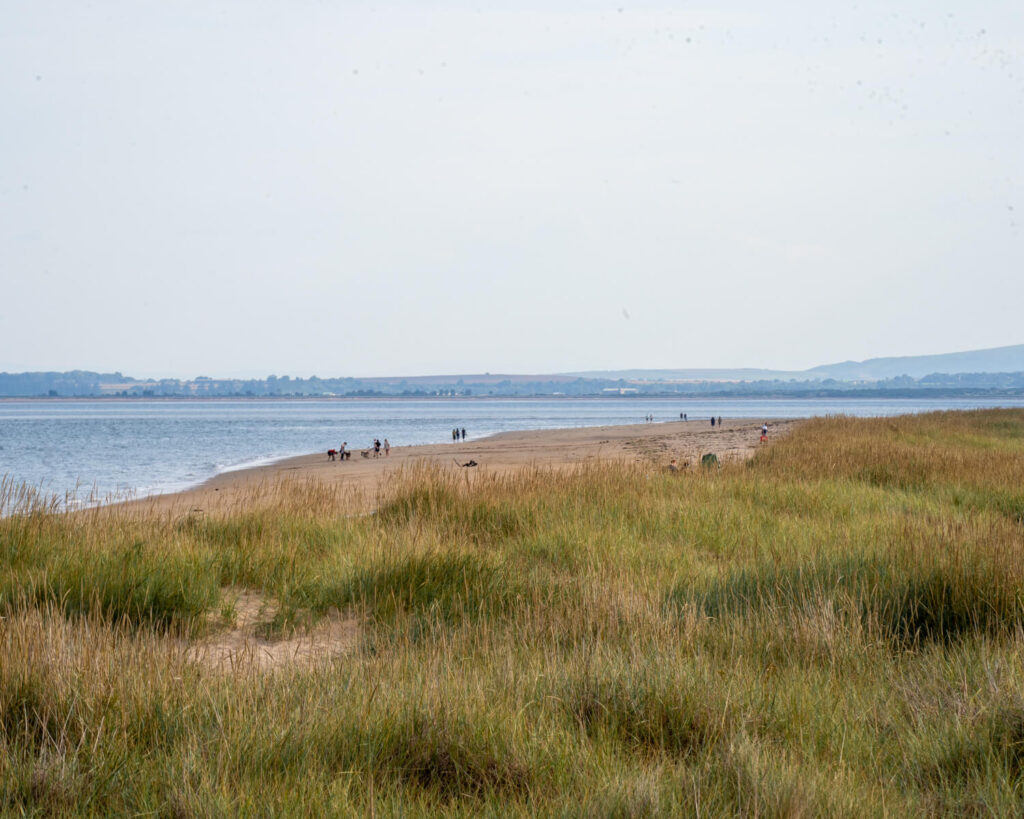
996,371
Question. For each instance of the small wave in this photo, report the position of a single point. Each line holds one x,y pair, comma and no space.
255,462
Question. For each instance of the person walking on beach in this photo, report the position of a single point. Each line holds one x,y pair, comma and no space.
712,421
719,420
455,435
376,447
341,450
463,433
387,447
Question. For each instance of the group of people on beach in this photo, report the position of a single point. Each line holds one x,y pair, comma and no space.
715,421
684,417
343,453
378,447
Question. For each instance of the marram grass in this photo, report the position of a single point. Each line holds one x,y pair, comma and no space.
834,628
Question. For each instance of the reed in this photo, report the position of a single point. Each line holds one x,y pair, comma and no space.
833,628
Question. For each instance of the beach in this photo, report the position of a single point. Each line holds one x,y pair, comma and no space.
568,628
654,443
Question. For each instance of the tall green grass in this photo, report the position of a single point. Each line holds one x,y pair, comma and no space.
834,628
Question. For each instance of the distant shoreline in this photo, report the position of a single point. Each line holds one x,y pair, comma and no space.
803,395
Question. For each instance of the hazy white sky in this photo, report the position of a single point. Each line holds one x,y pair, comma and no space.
347,188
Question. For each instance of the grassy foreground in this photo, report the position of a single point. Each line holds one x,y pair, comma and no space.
836,627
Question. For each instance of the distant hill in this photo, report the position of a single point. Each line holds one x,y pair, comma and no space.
994,360
1001,368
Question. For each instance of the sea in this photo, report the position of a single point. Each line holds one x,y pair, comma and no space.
93,451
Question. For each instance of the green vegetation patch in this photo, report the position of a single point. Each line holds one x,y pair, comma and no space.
440,586
648,715
436,503
994,743
449,757
28,713
131,583
427,496
1007,502
907,603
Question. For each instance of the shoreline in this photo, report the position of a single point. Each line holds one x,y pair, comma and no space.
809,394
505,452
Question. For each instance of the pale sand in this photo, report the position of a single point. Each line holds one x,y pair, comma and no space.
239,644
658,444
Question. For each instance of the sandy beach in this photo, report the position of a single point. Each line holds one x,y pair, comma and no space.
656,443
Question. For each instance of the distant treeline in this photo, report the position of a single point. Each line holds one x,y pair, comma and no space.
85,384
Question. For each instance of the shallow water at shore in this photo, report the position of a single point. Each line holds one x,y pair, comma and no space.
135,448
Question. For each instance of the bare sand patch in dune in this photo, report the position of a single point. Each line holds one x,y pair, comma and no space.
246,641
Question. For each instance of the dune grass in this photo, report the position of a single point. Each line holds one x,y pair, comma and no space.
833,628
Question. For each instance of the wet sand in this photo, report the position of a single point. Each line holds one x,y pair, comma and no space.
657,443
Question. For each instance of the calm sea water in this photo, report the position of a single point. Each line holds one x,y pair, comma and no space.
134,448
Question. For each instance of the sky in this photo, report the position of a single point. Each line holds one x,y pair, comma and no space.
235,189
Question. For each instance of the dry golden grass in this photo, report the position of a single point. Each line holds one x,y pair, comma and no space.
835,628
